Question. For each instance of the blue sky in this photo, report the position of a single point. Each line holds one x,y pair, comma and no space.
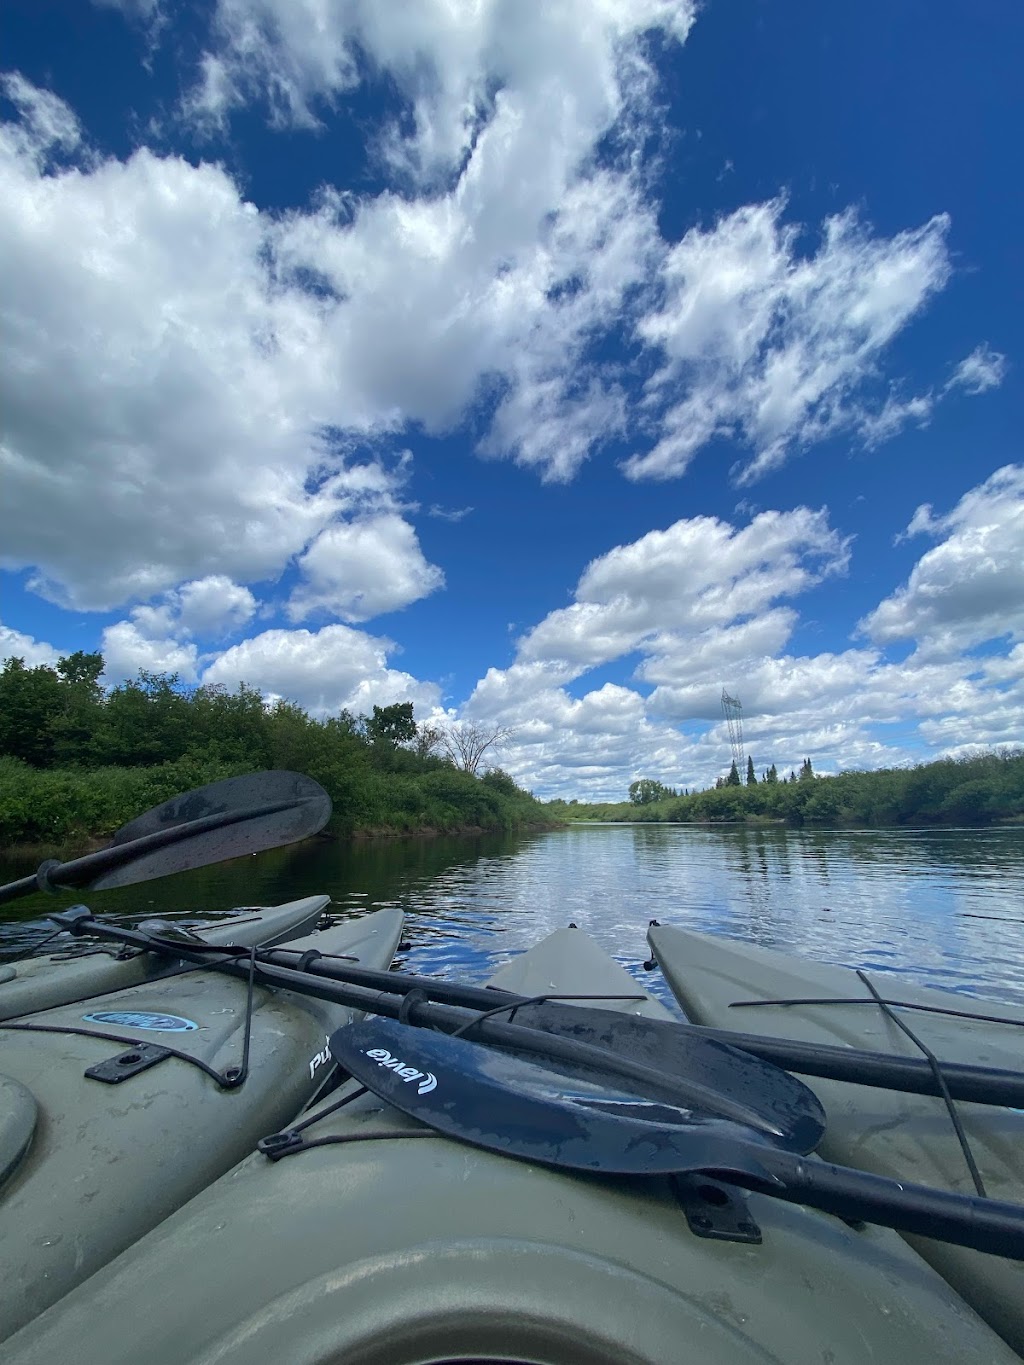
552,367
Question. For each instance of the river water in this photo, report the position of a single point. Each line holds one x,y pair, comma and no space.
940,907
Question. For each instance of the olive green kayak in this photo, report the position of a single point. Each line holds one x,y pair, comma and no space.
905,1137
78,970
114,1111
380,1242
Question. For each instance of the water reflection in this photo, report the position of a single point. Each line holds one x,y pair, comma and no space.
943,907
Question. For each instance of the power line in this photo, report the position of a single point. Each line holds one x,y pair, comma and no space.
732,709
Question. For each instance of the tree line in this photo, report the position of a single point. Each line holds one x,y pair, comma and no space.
80,760
982,789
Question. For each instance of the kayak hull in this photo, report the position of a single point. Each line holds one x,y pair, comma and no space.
107,1161
391,1244
77,973
889,1133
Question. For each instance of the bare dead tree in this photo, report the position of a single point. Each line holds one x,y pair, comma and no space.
465,742
428,741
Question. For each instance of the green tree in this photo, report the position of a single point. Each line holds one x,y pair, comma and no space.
806,771
30,698
733,780
145,720
391,725
501,781
82,670
81,708
645,791
751,775
772,775
230,726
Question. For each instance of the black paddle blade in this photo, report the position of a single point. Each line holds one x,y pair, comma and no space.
226,819
522,1109
309,804
223,820
775,1103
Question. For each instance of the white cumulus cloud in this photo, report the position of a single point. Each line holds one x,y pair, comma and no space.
699,573
128,646
768,346
362,569
213,606
323,671
15,644
969,588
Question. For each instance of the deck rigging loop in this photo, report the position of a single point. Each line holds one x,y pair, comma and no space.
230,1079
888,1008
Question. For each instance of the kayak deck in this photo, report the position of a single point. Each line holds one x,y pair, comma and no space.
904,1137
106,1161
74,970
379,1242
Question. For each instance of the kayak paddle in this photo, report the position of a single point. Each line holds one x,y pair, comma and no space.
709,1074
637,1035
525,1110
223,820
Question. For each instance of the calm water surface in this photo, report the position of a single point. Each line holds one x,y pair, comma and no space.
941,907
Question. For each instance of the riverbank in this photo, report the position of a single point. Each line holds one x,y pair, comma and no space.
983,790
63,812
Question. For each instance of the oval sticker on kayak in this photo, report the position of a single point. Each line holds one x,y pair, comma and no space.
142,1019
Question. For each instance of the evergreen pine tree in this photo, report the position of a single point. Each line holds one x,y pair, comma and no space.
733,780
751,775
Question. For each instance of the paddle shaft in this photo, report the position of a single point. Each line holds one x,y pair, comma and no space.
444,1019
913,1075
989,1225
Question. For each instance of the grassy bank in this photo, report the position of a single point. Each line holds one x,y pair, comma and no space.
63,810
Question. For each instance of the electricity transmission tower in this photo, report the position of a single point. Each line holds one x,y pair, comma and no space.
732,709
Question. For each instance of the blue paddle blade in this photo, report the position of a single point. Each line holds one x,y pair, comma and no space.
742,1088
523,1109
